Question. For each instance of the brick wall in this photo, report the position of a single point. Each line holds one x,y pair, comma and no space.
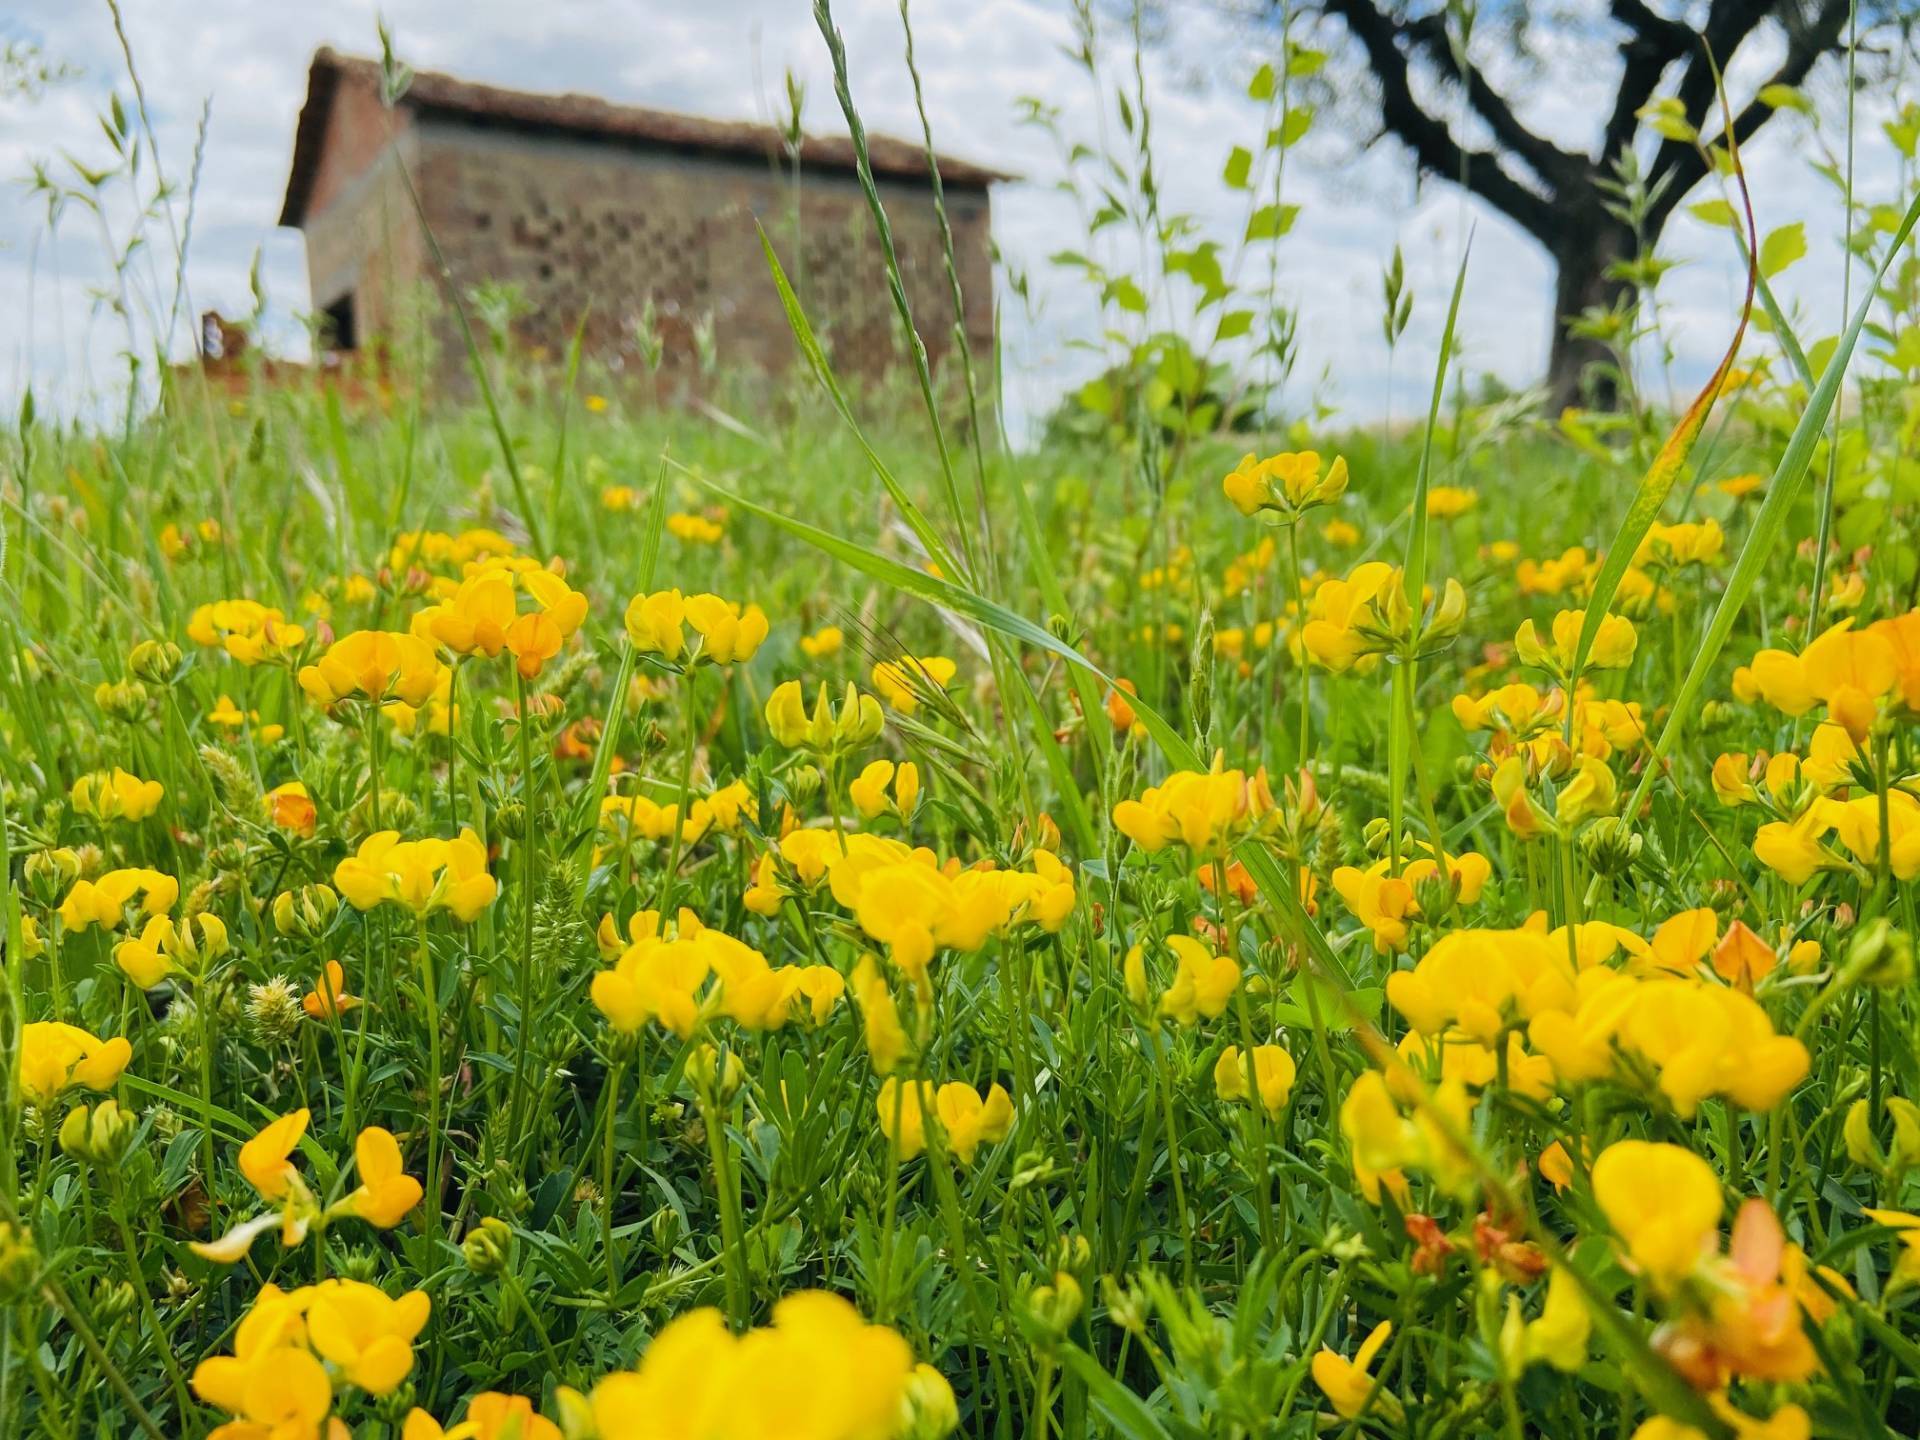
570,221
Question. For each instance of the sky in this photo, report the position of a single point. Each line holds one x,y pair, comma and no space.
242,63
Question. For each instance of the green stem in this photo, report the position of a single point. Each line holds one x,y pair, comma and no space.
606,1180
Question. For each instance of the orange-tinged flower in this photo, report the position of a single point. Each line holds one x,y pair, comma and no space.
291,808
1742,958
329,995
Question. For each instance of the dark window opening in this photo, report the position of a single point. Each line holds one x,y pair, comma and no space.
338,330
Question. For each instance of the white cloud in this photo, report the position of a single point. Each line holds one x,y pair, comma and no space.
726,58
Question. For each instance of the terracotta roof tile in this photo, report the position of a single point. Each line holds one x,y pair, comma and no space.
434,94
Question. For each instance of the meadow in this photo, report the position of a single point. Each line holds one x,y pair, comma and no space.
550,914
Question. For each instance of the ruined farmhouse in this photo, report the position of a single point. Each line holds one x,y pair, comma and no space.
610,211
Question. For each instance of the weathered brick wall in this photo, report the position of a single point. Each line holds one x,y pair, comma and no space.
573,221
362,237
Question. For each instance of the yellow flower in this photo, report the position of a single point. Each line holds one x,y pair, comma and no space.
1344,623
1449,502
1613,643
103,902
272,1384
886,1038
1203,982
533,639
1663,1202
694,529
1559,1336
374,665
821,643
1792,849
1592,791
265,1159
474,619
420,875
1692,543
905,682
330,996
818,1370
654,623
365,1334
966,1117
55,1056
1348,1386
1285,484
117,796
729,634
1273,1073
1206,812
868,791
387,1193
291,808
491,1415
827,730
656,979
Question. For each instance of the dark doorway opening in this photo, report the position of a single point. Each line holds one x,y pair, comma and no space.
338,330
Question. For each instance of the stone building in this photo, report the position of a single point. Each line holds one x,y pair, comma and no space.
587,207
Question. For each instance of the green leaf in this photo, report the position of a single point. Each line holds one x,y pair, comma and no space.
1715,212
1270,222
1128,296
1233,324
1125,1411
1782,247
1263,84
1294,128
1239,167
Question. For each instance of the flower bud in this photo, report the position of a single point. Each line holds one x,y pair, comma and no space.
305,913
1053,1308
1127,1305
575,1414
113,1301
488,1246
1610,845
100,1135
712,1075
928,1408
19,1262
154,661
122,699
51,873
1880,955
1375,835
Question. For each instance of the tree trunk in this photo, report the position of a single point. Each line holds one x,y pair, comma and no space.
1580,371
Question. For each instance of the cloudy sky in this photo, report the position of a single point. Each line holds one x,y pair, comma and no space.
244,62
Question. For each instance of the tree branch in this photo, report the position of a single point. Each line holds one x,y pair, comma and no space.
1681,166
1546,159
1432,143
1653,42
